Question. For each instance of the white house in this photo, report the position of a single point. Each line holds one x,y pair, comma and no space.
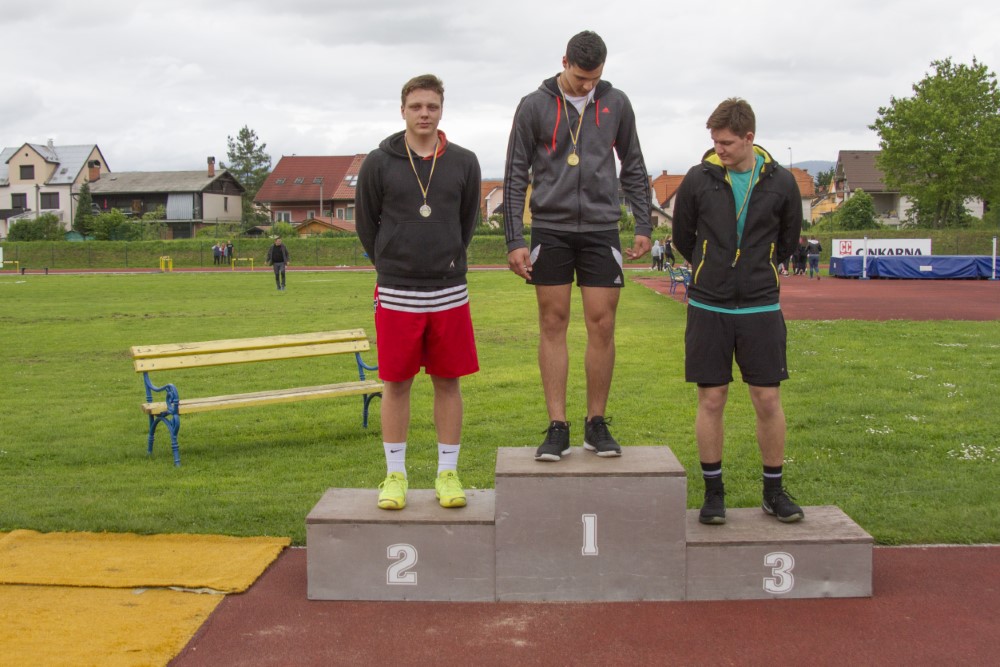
36,179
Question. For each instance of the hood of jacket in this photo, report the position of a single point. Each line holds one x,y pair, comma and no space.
711,160
551,86
395,145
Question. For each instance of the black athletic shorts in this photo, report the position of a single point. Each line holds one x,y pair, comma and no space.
756,340
595,258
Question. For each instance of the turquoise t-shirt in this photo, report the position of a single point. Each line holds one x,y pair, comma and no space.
742,183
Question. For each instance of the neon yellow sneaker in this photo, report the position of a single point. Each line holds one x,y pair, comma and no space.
448,489
392,492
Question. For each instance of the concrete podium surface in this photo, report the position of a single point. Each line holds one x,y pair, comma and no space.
588,528
754,556
357,551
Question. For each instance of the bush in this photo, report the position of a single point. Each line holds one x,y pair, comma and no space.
858,212
45,227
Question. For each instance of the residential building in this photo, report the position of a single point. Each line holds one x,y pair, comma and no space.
491,197
45,178
664,193
191,199
311,188
318,227
856,170
807,190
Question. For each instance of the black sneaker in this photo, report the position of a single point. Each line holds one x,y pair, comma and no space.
597,438
556,444
780,504
713,510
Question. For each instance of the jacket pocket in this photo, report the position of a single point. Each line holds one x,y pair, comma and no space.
422,249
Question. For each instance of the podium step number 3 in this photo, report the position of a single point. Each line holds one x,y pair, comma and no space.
582,529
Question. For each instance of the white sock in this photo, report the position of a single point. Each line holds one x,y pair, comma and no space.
395,457
448,457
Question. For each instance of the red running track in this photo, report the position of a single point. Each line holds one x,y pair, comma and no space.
853,299
931,606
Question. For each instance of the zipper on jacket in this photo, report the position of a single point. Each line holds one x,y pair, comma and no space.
735,259
770,259
704,250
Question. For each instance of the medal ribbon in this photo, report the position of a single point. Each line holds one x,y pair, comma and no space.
579,123
409,154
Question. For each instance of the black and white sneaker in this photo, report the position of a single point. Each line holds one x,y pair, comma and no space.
713,510
597,438
556,444
781,505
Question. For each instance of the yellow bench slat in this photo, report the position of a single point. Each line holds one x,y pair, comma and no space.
238,344
188,406
243,356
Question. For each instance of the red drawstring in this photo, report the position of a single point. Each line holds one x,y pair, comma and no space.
558,118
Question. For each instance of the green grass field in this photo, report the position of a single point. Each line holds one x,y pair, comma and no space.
894,422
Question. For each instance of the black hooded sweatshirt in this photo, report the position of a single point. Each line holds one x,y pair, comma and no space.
406,248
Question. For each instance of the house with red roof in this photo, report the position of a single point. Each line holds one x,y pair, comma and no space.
664,190
807,189
491,197
312,187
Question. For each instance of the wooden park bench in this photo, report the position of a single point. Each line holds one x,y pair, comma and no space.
182,356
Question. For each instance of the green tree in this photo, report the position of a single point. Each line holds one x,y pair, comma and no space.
858,212
250,164
116,226
823,180
83,221
46,227
626,221
284,230
942,145
153,226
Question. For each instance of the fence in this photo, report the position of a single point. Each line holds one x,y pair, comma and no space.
485,249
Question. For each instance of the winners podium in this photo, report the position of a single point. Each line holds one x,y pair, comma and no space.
585,528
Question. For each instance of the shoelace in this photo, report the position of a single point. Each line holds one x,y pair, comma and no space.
601,428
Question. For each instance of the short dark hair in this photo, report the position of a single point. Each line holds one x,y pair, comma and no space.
423,82
735,115
586,50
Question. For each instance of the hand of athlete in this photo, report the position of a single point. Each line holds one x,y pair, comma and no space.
640,246
519,261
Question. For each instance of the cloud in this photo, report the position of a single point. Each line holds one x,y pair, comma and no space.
160,85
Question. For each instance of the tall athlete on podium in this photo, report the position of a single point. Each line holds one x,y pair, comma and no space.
563,142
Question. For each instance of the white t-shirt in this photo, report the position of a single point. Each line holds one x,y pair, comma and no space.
580,102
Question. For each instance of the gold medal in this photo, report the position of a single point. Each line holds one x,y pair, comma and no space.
572,159
425,211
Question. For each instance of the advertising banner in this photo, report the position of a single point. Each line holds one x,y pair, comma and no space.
880,247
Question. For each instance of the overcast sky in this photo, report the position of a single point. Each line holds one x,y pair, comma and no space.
160,85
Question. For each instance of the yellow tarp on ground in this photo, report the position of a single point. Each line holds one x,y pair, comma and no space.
113,627
102,598
117,560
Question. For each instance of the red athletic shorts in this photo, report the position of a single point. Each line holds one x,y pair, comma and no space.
433,329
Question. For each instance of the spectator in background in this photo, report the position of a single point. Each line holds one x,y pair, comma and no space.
277,257
657,254
668,252
813,249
